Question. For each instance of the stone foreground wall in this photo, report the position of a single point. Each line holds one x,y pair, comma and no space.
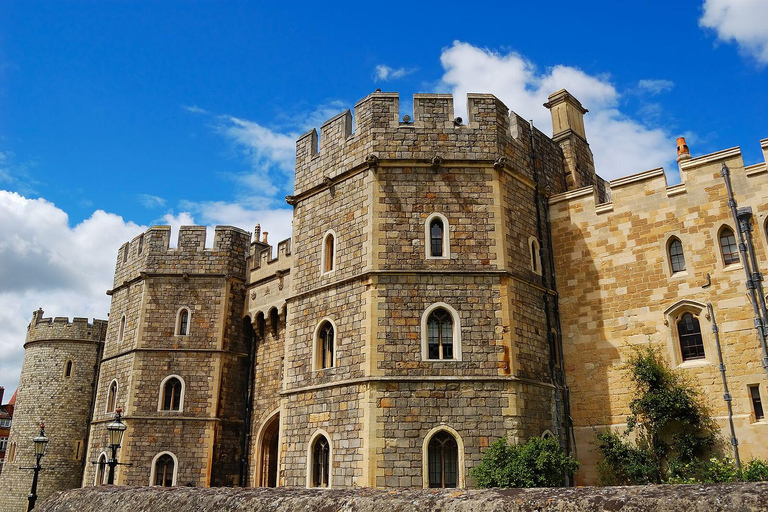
668,498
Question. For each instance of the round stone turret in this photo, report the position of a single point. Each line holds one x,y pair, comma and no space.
56,387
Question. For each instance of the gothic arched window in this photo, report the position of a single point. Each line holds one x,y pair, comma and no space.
676,256
440,335
182,322
689,334
443,466
172,393
325,346
111,396
321,462
728,246
329,252
163,469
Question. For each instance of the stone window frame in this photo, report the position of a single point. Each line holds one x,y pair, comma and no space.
316,345
79,450
126,251
310,457
752,413
547,434
162,394
69,369
140,248
720,258
672,316
102,467
324,253
177,324
153,468
461,480
534,248
113,397
457,354
668,256
446,237
121,329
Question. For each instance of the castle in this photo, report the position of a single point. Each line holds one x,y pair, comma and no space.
447,283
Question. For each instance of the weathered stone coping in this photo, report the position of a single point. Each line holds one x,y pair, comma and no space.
668,498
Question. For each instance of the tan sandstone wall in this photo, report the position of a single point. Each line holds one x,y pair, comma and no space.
618,291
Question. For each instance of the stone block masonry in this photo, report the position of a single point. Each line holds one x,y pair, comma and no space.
57,382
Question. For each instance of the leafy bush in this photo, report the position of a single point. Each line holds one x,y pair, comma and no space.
755,470
673,431
537,463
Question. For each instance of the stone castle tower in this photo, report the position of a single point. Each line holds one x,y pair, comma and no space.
403,233
57,384
175,360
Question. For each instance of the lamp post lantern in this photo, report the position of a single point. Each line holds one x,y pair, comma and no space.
115,431
41,441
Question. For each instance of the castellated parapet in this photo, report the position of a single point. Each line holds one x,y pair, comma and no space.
491,132
150,252
56,387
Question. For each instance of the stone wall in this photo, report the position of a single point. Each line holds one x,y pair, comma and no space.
46,394
664,498
618,291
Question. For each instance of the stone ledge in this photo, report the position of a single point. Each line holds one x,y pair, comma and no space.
672,498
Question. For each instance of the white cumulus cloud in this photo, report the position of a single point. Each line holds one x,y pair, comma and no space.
45,262
744,22
621,145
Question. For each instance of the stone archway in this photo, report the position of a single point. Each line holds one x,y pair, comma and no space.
270,446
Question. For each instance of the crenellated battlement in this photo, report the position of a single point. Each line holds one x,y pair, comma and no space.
151,252
650,189
61,328
377,131
263,264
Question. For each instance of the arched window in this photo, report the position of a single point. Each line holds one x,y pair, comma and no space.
325,346
676,257
121,330
443,461
164,470
182,322
125,252
111,396
11,455
329,252
172,393
68,369
321,462
436,236
141,244
689,333
728,246
535,248
101,470
440,333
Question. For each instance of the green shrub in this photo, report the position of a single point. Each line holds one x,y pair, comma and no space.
537,463
669,431
755,470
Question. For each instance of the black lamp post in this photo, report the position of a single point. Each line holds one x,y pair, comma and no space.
40,443
115,431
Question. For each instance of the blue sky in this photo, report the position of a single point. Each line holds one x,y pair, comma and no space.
118,115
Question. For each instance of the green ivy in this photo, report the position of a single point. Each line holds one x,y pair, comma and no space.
537,463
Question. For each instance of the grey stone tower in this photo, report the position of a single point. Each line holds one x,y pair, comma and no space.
56,387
